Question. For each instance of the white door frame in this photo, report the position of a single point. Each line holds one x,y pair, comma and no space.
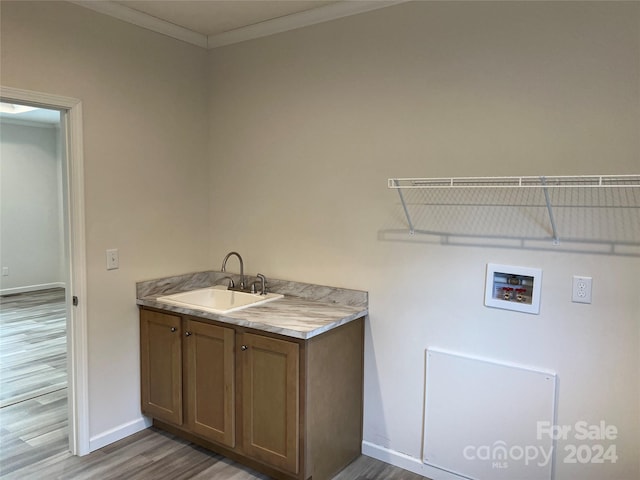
77,358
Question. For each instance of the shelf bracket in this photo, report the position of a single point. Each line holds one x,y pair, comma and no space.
556,240
404,206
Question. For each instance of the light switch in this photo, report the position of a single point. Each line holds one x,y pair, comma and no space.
113,261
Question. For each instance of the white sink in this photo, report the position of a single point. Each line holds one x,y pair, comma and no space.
217,300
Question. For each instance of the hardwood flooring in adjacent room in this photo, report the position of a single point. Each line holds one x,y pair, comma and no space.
33,345
32,431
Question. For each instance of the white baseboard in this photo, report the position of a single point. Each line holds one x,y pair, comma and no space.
406,462
118,433
31,288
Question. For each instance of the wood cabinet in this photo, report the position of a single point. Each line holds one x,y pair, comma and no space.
287,407
208,387
210,381
270,400
161,366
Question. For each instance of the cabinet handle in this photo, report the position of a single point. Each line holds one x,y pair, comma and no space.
243,347
187,334
173,329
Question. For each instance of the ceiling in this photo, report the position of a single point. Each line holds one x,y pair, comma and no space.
215,17
14,113
214,23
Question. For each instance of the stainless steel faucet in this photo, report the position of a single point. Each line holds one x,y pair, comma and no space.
224,266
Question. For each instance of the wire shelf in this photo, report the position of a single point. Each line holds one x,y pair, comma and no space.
601,209
581,181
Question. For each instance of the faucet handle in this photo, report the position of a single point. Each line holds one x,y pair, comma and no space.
231,283
263,283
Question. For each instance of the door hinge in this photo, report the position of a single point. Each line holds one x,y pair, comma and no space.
75,301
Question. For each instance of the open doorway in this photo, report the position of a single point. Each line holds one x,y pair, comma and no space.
33,313
32,239
44,261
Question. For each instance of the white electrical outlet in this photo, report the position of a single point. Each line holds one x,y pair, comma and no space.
5,271
581,292
113,261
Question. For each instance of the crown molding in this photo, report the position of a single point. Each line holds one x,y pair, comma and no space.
269,27
144,20
298,20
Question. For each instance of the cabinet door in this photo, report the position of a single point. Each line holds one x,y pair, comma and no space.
210,384
161,366
270,402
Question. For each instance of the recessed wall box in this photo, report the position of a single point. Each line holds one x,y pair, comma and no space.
513,288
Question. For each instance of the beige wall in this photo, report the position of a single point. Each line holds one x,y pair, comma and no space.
307,126
144,105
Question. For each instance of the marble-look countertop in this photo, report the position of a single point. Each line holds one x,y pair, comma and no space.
314,310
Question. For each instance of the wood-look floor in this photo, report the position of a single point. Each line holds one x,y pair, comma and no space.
32,431
34,445
33,345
